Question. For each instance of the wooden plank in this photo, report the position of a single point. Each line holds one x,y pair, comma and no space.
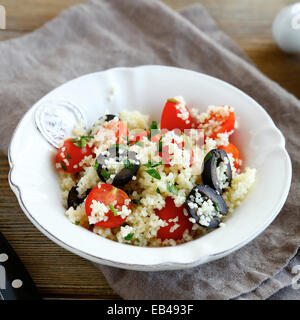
58,273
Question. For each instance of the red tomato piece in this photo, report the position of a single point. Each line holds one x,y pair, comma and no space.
120,129
170,211
231,148
175,116
109,196
224,124
70,155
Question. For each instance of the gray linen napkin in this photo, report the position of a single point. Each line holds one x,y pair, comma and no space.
101,34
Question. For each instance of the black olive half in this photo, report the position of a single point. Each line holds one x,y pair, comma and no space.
108,117
204,193
209,175
73,197
129,165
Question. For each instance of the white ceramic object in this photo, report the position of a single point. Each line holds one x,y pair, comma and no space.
33,179
56,120
286,28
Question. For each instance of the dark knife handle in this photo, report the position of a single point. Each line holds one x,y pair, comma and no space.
15,281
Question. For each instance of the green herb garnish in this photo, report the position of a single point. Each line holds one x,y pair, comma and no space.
129,236
160,145
153,164
208,157
216,206
96,165
136,201
81,141
153,125
105,174
157,190
114,211
153,129
77,223
153,173
172,188
128,164
63,165
173,101
68,156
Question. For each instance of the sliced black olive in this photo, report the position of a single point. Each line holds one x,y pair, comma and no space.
200,194
73,197
108,117
129,165
209,175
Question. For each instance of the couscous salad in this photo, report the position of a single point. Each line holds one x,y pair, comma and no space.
154,184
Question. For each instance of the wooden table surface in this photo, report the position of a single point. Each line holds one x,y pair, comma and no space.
58,273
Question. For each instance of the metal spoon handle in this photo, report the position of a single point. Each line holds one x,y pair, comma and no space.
15,281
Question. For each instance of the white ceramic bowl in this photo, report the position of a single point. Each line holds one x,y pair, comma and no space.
34,181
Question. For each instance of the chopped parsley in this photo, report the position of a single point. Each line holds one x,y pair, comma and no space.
173,101
208,157
128,164
153,125
114,211
63,165
68,156
77,223
160,145
153,164
172,188
105,174
96,166
153,129
129,236
153,173
216,206
81,141
157,190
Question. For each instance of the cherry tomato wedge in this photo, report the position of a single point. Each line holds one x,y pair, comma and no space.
231,148
120,129
171,231
175,115
111,197
70,155
218,123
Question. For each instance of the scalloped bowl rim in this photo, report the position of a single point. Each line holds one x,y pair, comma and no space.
165,258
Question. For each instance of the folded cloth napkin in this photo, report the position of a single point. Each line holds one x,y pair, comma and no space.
101,34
